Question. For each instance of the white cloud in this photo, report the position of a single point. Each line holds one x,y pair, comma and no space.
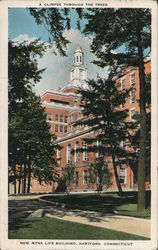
57,67
24,38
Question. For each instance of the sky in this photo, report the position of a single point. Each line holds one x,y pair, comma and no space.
22,27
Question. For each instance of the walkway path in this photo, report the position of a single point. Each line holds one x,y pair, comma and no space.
126,224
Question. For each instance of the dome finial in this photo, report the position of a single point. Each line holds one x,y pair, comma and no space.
78,49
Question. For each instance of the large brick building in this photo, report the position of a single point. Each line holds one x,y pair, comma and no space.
64,107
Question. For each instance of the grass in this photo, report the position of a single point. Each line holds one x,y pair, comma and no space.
105,202
20,227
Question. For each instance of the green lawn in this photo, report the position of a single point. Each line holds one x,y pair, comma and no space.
105,202
20,227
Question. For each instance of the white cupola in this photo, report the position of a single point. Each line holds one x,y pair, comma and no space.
78,72
78,56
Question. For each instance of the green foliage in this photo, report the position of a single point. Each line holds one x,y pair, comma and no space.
55,21
115,34
99,174
23,70
30,144
106,119
66,180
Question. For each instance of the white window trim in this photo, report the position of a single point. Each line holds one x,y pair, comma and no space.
131,102
125,175
68,153
123,145
85,171
76,147
58,156
131,78
49,117
130,114
85,153
56,128
122,81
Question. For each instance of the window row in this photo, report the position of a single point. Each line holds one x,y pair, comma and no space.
59,128
85,177
77,152
132,80
42,183
123,176
60,118
132,98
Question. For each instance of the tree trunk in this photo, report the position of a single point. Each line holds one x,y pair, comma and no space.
24,185
116,175
142,155
14,179
29,178
19,180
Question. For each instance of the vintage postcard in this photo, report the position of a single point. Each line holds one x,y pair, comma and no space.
78,124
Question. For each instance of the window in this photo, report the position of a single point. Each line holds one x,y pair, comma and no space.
80,59
45,184
56,118
61,118
132,113
56,128
66,119
77,58
85,153
72,118
65,129
132,96
35,183
76,178
77,153
61,128
49,117
132,78
123,145
99,144
40,183
123,175
50,126
85,177
58,156
123,84
69,153
50,183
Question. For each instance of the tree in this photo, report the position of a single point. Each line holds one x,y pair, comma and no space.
135,138
66,179
31,150
102,113
123,37
56,21
100,174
